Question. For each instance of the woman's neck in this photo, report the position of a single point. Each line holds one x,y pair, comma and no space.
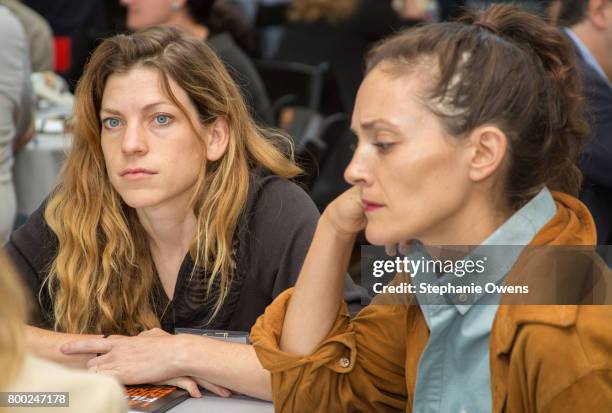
169,229
476,220
184,22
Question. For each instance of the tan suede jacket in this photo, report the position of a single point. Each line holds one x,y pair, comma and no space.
543,358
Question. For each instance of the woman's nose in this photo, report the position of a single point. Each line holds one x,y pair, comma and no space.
134,141
356,172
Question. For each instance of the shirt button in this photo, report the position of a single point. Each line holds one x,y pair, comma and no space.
463,297
344,362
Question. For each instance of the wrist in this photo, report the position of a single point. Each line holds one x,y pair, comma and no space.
328,223
182,347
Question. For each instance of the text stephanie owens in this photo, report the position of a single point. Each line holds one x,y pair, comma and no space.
423,288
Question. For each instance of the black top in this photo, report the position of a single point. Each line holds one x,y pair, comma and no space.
244,74
273,236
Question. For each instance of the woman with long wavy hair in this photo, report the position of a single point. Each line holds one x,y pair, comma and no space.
167,215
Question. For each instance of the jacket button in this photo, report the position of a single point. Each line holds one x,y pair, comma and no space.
345,362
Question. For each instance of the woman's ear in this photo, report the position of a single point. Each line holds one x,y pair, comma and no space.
488,150
597,11
217,139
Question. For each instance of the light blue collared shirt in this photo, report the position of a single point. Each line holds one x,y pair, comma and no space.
586,55
453,374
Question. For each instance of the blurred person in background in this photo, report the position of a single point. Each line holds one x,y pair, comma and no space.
16,111
77,26
338,32
23,372
191,16
452,9
38,31
588,23
225,16
270,19
534,6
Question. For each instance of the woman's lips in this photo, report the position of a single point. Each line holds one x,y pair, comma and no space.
369,206
132,174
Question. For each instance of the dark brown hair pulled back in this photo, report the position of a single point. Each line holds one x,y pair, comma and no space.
507,67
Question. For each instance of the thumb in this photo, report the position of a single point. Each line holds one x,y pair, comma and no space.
218,390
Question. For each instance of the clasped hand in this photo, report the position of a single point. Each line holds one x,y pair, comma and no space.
150,357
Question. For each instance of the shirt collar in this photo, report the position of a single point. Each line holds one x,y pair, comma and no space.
586,54
501,249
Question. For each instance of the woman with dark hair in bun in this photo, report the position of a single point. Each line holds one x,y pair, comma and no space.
468,134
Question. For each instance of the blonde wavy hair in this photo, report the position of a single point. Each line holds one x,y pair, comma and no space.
12,320
310,11
102,277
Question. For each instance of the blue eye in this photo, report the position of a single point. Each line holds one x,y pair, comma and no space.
111,123
162,119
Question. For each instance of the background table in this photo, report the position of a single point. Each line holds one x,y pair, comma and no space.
213,404
37,167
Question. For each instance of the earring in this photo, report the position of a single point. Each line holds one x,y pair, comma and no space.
175,6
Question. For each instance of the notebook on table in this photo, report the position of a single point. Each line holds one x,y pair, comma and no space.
154,398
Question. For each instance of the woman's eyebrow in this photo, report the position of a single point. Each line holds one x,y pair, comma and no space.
110,111
381,123
145,108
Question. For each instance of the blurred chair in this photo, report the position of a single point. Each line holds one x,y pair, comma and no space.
292,84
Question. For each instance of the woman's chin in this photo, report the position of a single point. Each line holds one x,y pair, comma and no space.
139,202
381,236
377,237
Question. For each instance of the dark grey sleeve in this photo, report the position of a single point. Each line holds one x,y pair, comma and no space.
286,219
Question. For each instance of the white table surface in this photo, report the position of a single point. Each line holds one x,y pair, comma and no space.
209,403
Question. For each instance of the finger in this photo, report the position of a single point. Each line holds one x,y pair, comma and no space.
218,390
99,361
391,249
96,345
154,332
107,372
186,383
93,363
116,337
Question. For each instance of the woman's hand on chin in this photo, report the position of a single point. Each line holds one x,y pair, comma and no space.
345,213
147,358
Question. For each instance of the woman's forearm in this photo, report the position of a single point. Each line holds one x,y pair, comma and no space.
46,344
233,366
314,304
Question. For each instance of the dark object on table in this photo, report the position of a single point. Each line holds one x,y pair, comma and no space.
154,399
241,337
